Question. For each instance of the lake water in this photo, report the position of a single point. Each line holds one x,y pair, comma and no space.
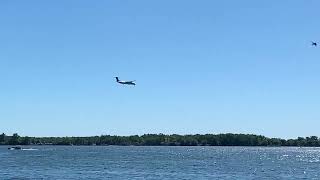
133,162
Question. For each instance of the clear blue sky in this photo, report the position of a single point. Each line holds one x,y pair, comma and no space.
201,67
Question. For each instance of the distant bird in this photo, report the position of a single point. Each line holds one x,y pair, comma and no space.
125,82
314,43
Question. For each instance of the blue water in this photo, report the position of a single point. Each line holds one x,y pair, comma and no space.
131,162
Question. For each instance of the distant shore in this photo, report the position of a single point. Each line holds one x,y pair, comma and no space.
228,139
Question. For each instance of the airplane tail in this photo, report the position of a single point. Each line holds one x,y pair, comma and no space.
117,79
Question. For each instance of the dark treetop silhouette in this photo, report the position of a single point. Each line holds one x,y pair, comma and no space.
163,140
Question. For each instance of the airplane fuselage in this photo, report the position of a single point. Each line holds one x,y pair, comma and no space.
127,82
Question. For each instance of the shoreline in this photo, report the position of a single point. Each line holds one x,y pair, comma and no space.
228,139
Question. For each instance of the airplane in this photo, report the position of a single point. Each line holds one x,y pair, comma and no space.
314,43
125,82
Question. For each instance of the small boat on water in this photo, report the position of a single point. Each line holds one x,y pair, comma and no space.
15,148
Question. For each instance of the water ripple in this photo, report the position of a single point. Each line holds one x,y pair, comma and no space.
116,162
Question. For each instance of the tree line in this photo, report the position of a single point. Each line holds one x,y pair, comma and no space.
228,139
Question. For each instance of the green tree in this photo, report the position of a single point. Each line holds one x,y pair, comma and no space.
2,138
14,140
25,140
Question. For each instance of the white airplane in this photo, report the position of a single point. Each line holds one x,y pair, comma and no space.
125,82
